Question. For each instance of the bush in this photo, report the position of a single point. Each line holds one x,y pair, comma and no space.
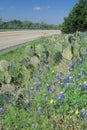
57,57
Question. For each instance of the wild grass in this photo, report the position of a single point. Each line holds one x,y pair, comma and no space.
48,95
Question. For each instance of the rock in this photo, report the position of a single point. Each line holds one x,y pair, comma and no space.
4,65
34,60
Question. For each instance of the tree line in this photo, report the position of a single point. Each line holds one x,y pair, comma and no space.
77,18
17,24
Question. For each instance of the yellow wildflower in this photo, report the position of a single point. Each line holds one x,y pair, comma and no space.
53,71
51,101
76,112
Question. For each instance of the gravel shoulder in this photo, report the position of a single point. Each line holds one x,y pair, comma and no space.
14,38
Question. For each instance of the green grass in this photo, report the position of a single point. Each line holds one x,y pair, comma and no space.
44,97
17,53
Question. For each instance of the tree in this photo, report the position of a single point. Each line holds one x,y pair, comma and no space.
14,24
26,24
1,22
77,19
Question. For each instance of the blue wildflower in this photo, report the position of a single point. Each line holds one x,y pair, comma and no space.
39,78
65,80
82,69
81,60
83,113
11,66
53,96
62,96
48,88
37,86
45,96
39,110
67,86
61,73
72,63
27,104
60,84
80,85
31,92
48,67
57,77
85,85
69,72
70,79
2,110
79,75
11,101
41,71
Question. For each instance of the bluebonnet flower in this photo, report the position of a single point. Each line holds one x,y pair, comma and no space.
49,88
85,73
2,110
11,66
48,67
61,73
37,86
41,71
79,75
65,80
53,96
39,110
62,96
81,60
31,92
72,63
39,78
83,113
70,79
67,86
85,85
27,104
11,101
82,69
69,72
57,77
46,96
80,85
60,84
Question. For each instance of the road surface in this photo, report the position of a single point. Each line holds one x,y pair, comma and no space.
14,38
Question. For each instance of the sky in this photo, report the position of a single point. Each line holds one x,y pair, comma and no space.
47,11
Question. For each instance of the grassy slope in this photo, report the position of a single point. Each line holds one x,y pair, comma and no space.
45,111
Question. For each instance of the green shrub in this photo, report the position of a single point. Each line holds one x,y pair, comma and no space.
57,57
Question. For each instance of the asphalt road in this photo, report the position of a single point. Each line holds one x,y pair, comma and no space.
14,38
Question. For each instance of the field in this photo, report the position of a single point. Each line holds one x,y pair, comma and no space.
43,85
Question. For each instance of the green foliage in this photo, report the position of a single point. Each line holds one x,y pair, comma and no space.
49,99
30,50
7,78
57,57
5,98
41,52
4,65
1,76
77,19
17,24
